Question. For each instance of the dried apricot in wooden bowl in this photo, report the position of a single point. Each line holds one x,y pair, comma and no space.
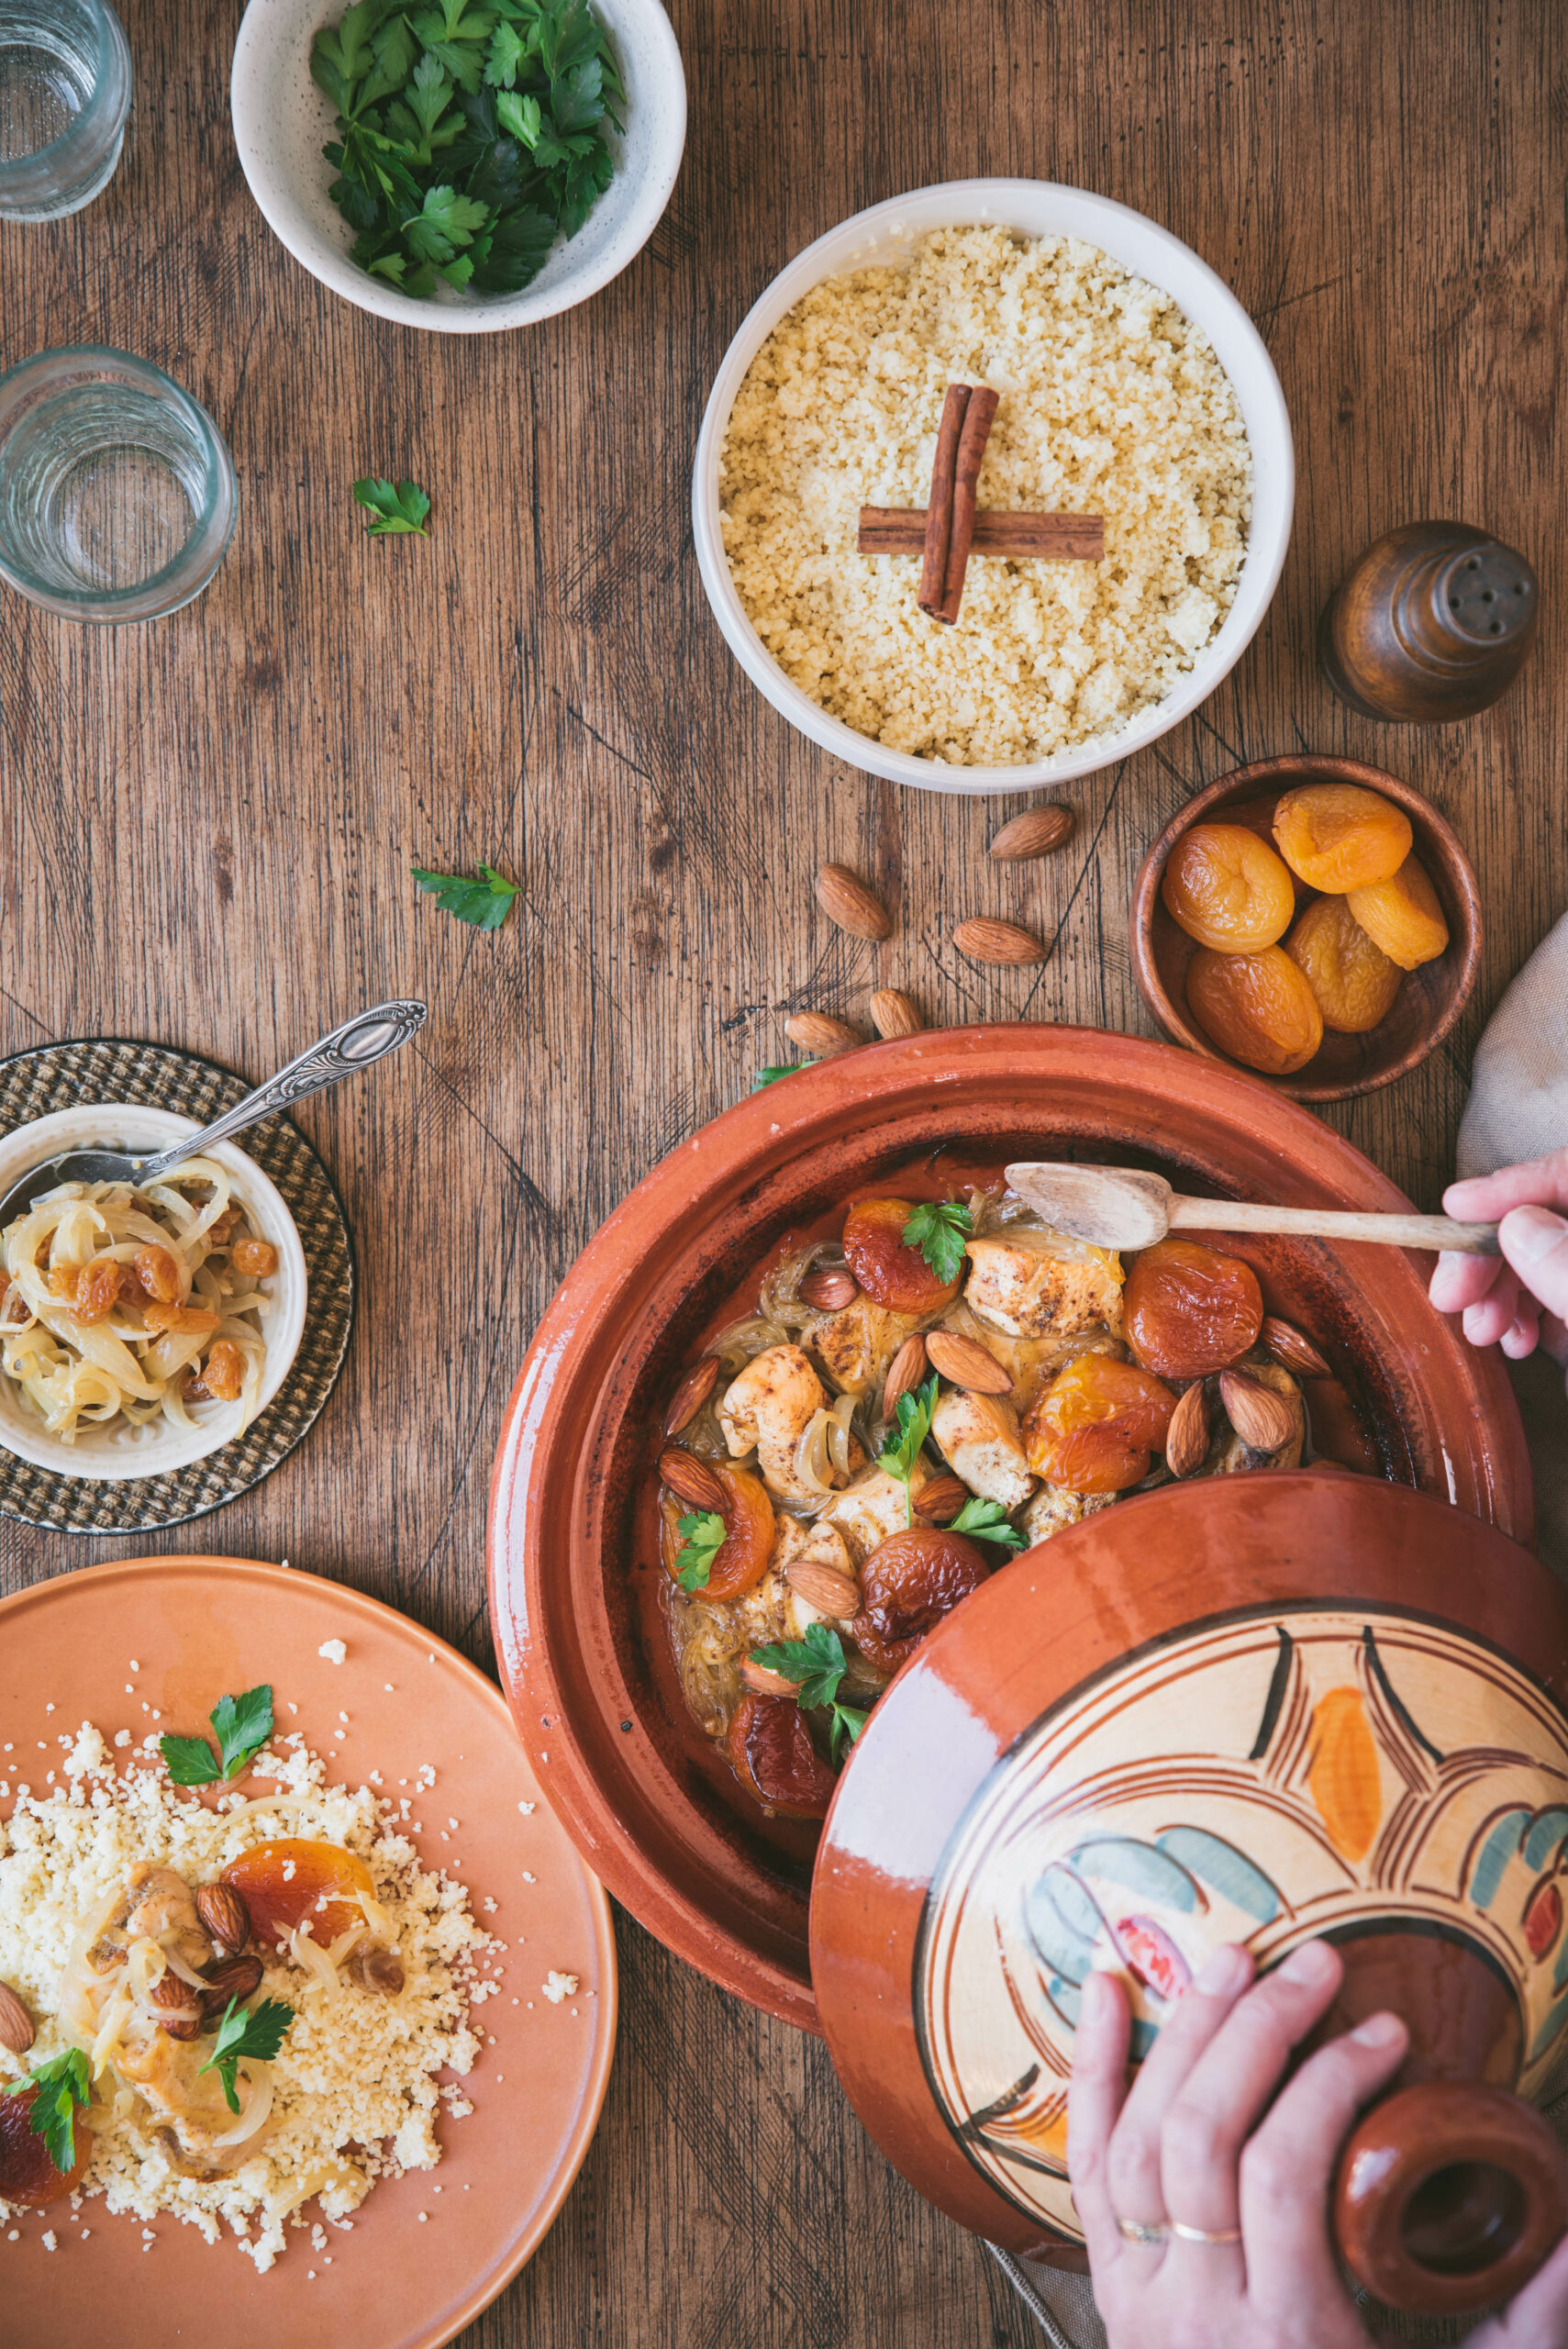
1352,978
1433,993
1335,836
1257,1008
1228,890
1403,915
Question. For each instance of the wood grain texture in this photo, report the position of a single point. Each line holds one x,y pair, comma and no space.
206,825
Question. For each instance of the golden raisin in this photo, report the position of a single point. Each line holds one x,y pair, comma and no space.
1337,837
158,1273
94,1289
223,1370
1227,888
257,1257
223,1228
1352,978
189,1321
1093,1429
1257,1008
1403,915
1191,1311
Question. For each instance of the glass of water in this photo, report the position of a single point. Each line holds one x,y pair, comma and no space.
116,491
64,97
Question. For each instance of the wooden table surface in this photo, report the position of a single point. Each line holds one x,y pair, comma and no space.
206,825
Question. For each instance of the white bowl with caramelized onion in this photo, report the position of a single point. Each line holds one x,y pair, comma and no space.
140,1332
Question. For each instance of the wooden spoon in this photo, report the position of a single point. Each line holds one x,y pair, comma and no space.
1117,1207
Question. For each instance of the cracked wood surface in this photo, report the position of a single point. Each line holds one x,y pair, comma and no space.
206,825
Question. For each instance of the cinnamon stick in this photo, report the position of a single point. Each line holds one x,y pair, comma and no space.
939,513
1043,537
977,422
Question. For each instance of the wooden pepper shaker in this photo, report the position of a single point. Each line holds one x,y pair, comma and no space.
1433,623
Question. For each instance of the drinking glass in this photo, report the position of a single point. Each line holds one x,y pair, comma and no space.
64,97
116,492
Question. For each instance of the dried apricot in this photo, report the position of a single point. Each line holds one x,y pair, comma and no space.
1191,1311
1337,837
295,1881
1352,978
1403,915
27,2172
910,1581
1098,1425
748,1513
1227,888
890,1272
1257,1008
771,1753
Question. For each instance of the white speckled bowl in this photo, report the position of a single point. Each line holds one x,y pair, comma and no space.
888,233
282,121
118,1451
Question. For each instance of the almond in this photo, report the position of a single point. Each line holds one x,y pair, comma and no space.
691,1395
845,898
1034,833
820,1033
831,1593
941,1498
691,1482
224,1915
16,2024
765,1683
966,1362
988,940
1288,1345
181,2009
1186,1438
829,1288
231,1977
892,1014
903,1374
1263,1420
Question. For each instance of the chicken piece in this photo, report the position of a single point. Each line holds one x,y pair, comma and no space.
1037,1284
978,1437
152,1902
1053,1508
818,1544
857,1343
1227,1454
873,1507
770,1407
168,2077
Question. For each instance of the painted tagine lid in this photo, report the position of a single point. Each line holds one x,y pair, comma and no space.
1262,1709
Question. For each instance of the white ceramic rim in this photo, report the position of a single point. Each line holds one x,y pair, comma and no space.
100,1126
284,212
1150,252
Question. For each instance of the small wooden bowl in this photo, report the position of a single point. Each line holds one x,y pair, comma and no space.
1430,999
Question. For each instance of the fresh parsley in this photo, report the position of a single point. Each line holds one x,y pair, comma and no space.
914,1419
702,1537
468,137
240,2034
766,1076
816,1664
393,507
244,1724
937,1228
485,904
989,1521
57,2088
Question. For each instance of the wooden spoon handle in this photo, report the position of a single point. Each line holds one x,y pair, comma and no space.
1325,1223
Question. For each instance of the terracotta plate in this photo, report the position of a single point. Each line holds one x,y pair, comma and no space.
197,1627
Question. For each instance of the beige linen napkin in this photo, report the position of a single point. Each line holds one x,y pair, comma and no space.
1518,1110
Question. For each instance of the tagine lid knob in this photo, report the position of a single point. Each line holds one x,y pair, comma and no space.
1433,623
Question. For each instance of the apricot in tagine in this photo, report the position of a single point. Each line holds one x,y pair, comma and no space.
909,1582
890,1272
771,1751
750,1529
1190,1310
1097,1427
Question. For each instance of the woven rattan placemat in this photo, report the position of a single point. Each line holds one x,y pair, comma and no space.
63,1076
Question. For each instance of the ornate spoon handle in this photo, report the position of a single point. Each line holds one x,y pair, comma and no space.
366,1038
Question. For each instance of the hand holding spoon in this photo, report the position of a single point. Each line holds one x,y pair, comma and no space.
1118,1206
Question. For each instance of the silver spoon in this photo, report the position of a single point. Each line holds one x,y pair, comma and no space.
1118,1206
359,1041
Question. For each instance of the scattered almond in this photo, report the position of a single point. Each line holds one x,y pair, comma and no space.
967,1362
830,1592
16,2024
231,1977
894,1014
765,1683
1034,833
988,940
845,898
691,1395
905,1372
1186,1438
1290,1346
1263,1420
941,1498
830,1289
224,1915
820,1033
691,1482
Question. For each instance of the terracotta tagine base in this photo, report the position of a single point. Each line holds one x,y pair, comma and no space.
1262,1709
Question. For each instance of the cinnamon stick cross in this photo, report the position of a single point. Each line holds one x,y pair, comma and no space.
950,528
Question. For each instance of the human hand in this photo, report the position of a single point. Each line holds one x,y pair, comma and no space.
1520,1298
1196,2141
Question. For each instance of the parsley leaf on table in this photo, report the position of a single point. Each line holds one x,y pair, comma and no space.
259,2035
937,1228
704,1535
914,1416
57,2088
243,1725
990,1522
485,903
392,509
817,1664
766,1076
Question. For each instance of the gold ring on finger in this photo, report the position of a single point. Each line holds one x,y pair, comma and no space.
1148,2233
1204,2235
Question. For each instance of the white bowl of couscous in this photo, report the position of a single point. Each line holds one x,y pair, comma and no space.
1133,385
